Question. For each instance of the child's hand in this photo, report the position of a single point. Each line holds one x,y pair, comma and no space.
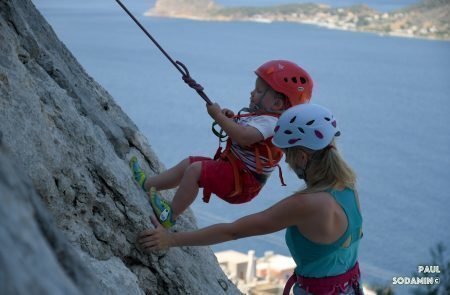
214,110
154,239
228,113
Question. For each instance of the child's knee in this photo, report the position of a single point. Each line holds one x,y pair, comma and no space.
183,165
194,169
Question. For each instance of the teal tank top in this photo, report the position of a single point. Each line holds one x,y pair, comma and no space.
324,260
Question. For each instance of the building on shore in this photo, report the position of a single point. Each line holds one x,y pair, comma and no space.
265,275
253,275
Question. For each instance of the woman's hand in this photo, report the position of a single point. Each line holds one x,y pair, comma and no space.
155,239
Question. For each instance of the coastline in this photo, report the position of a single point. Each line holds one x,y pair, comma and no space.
426,20
268,21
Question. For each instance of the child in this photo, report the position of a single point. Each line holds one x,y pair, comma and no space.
237,174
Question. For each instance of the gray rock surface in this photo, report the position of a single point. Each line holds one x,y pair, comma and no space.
70,211
35,257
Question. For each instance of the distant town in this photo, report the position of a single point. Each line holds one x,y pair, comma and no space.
264,275
428,19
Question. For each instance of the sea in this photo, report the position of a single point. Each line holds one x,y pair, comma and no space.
389,94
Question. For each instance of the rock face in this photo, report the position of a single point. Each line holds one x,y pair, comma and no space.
35,258
70,211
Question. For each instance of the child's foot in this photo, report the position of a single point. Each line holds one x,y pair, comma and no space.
161,208
138,174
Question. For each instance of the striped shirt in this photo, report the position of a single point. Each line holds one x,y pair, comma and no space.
266,125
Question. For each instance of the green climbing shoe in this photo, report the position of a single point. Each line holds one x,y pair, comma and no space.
138,174
162,209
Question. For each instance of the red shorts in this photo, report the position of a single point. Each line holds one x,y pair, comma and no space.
217,177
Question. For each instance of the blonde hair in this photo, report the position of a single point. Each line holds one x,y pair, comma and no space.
326,170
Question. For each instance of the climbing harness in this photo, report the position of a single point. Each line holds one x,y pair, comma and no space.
177,64
329,285
264,148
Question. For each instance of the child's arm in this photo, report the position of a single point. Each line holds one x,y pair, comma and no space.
228,113
243,135
287,212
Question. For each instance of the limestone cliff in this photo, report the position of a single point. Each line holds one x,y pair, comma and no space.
69,209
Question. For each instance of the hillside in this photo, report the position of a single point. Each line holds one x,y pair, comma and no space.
200,8
428,19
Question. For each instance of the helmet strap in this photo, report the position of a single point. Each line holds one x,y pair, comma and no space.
301,172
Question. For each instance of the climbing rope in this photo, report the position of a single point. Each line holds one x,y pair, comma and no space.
177,64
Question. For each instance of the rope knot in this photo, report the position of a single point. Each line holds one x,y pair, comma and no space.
192,83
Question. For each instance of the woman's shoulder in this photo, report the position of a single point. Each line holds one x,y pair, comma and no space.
313,201
312,196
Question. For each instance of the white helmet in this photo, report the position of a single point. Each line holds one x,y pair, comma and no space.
308,125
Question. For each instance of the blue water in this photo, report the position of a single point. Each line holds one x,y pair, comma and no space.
389,94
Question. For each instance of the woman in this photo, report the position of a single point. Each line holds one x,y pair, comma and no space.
323,221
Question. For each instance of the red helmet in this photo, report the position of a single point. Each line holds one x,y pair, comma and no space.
288,78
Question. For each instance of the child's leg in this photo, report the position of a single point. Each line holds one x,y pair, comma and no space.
188,189
167,179
215,176
185,195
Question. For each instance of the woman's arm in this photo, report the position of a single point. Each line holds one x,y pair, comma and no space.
283,214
